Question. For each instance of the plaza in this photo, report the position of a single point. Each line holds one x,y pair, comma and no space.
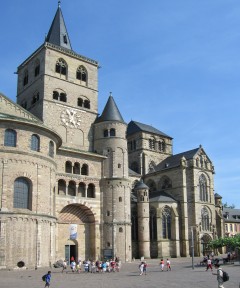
182,275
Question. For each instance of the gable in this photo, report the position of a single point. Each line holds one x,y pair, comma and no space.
10,108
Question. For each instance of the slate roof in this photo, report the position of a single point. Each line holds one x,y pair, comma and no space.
161,196
140,185
58,34
134,127
233,215
110,112
174,160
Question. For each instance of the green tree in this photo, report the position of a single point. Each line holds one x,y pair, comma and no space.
230,242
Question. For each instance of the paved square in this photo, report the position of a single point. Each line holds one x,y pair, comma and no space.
182,275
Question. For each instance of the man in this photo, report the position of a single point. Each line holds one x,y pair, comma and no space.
219,276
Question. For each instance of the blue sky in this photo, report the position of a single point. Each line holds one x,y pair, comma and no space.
171,64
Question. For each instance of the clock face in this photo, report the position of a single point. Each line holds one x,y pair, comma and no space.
70,118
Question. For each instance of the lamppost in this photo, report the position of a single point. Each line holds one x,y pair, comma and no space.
192,246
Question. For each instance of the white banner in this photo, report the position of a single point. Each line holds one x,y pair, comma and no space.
73,231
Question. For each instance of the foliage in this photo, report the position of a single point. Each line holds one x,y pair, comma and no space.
230,242
225,205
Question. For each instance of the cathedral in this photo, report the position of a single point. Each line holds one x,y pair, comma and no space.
76,182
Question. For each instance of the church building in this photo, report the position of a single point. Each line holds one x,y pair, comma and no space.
83,183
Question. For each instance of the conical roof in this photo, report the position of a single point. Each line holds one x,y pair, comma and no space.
57,34
110,112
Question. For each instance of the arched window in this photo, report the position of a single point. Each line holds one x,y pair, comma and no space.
84,169
61,187
153,224
81,74
61,67
37,68
165,183
10,138
87,104
80,102
120,199
205,219
72,188
112,132
68,167
55,95
25,78
82,189
35,97
63,97
203,188
166,223
35,143
22,194
151,167
120,230
91,191
76,168
51,149
105,133
152,185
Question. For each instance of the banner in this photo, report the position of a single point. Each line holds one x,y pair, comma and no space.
73,231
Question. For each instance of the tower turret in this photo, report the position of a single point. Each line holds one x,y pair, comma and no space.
110,140
143,219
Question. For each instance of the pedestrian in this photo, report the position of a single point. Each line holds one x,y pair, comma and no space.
209,264
168,265
145,267
73,266
48,279
141,265
162,264
219,276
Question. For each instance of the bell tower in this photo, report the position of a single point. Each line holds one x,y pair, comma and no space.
60,87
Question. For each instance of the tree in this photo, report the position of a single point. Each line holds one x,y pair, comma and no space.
230,242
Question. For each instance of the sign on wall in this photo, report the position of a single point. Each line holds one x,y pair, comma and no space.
73,231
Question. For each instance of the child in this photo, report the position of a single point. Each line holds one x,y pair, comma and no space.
48,279
162,264
145,268
141,268
168,265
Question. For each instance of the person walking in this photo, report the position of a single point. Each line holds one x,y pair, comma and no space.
209,264
64,265
141,265
168,265
219,276
145,267
162,264
48,279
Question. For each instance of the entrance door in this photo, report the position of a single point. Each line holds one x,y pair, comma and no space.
70,251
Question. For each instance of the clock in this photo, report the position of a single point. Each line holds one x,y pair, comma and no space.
70,118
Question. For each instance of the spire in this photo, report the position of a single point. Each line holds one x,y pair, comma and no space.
57,34
110,112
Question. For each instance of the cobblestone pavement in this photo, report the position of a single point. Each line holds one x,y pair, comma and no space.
182,275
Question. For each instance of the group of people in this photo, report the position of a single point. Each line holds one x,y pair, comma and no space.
143,266
112,265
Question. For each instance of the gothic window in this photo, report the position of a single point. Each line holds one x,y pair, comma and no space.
51,149
84,169
91,191
166,223
165,183
203,188
63,97
153,224
72,188
205,219
152,186
105,133
120,230
37,68
61,67
22,194
10,138
82,189
35,143
25,78
112,132
151,167
134,167
76,168
68,167
81,74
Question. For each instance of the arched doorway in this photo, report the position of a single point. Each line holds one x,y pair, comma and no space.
205,239
81,243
